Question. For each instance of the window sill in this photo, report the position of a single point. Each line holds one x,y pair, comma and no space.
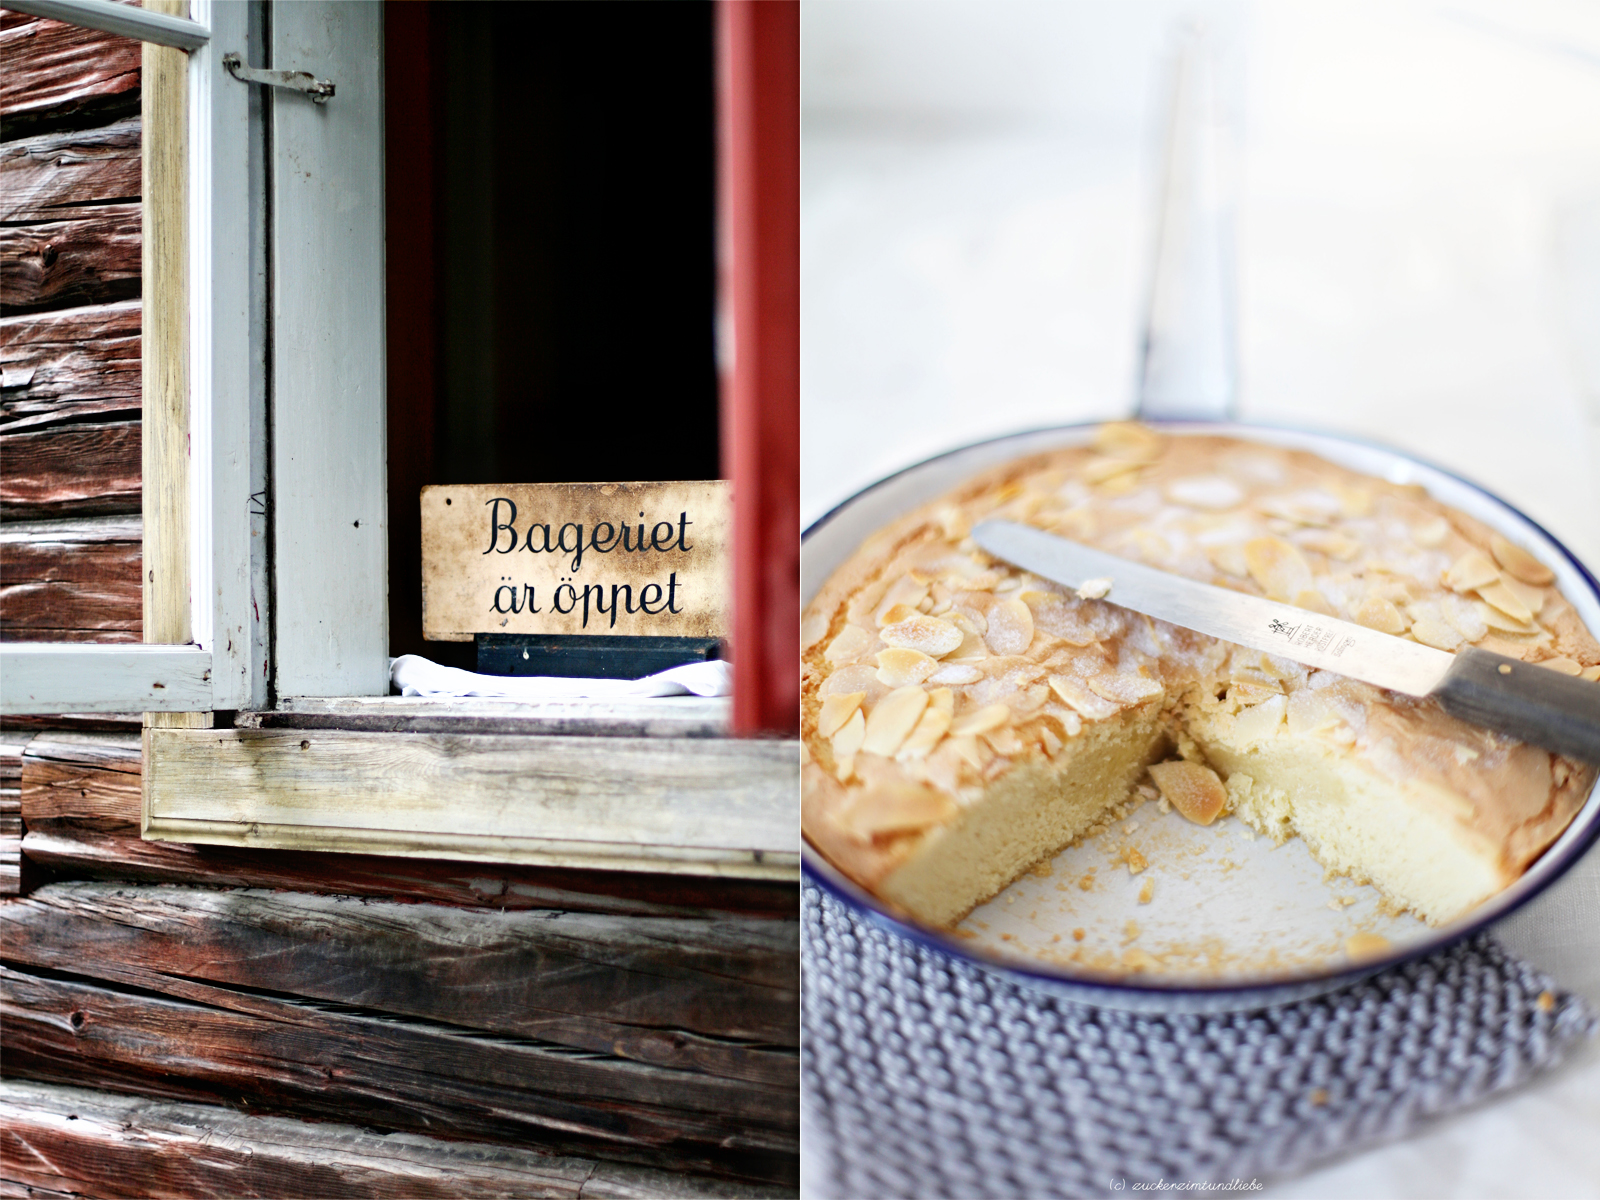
614,784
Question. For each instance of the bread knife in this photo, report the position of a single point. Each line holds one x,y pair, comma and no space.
1528,702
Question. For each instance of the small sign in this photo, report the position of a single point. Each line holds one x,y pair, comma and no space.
607,559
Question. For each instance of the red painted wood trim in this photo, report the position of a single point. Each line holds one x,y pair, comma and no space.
758,69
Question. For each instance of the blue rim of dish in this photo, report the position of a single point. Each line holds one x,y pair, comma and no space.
860,900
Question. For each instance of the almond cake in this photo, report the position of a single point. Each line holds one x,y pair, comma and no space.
963,719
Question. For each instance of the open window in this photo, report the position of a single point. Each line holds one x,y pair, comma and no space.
267,584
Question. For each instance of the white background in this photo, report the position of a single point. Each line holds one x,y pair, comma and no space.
1418,229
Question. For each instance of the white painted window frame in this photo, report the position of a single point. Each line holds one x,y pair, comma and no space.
336,635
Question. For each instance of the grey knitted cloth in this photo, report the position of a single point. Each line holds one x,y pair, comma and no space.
926,1077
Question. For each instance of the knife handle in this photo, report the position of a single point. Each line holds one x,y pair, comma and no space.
1530,702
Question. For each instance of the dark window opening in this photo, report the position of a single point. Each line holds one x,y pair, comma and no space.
551,254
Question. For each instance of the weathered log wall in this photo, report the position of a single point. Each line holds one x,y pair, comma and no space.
192,1020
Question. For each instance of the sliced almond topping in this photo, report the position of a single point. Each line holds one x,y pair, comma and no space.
1471,571
1005,741
1495,619
836,710
1592,674
862,677
889,808
955,674
1431,534
907,590
892,721
1360,946
1311,712
1500,596
1076,696
1520,563
975,753
1194,790
1355,500
1128,439
943,699
848,737
1314,601
1125,687
1010,627
1260,722
1463,614
1566,666
894,613
1377,613
1278,567
930,635
1229,559
899,668
1213,493
933,725
1335,545
813,629
844,767
982,720
851,643
1103,470
1248,692
1531,597
1430,628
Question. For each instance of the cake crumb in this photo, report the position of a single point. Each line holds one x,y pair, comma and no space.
1147,892
1546,1002
1008,937
1131,931
1055,937
1136,861
1130,827
1086,884
1095,589
1078,935
964,933
1365,945
1044,868
1011,898
1319,1096
1340,903
1136,959
1163,806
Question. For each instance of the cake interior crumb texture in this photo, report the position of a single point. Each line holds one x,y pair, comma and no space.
964,720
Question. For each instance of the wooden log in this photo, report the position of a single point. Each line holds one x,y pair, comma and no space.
42,178
10,865
713,806
666,990
91,258
62,366
74,848
102,1144
27,724
71,470
91,778
280,1055
71,580
59,76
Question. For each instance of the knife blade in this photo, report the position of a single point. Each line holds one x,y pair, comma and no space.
1531,703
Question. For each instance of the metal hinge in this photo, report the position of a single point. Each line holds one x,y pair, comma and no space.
299,81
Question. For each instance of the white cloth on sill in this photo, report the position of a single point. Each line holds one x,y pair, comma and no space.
414,675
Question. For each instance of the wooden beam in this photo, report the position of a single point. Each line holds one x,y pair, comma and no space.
71,470
66,366
59,75
691,805
683,993
70,580
87,256
165,189
759,151
88,1143
391,1073
47,176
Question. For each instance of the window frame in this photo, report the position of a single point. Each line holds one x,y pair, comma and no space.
246,383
